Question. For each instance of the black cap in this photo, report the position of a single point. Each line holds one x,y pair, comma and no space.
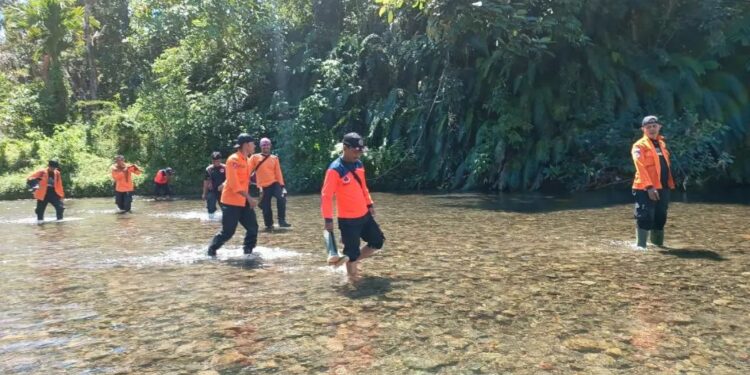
216,155
242,139
53,163
354,140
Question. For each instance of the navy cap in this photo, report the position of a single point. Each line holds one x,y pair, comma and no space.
354,140
242,139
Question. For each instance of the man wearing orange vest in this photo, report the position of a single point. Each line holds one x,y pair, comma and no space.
237,205
653,180
161,182
268,177
48,188
345,179
122,174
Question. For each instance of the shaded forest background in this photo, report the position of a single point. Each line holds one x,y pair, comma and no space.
498,95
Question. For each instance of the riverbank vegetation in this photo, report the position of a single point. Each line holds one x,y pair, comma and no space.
492,95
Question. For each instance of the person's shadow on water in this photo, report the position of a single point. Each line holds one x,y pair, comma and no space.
693,254
245,263
368,286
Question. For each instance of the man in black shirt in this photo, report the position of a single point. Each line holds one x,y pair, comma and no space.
213,182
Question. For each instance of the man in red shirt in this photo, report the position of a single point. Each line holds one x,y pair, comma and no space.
345,179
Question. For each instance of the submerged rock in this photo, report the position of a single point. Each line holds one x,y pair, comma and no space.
428,363
679,318
229,359
614,352
586,345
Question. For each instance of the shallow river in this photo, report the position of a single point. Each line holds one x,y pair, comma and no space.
466,284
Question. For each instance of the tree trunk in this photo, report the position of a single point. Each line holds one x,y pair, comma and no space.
90,61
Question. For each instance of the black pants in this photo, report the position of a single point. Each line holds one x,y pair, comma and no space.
162,189
123,200
365,228
212,197
651,215
273,190
52,198
231,215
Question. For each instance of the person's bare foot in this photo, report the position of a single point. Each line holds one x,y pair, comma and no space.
352,270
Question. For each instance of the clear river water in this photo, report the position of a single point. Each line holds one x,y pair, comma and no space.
466,284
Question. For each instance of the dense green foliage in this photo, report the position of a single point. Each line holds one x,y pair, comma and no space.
494,95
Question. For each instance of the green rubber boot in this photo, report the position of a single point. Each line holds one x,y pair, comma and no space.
657,237
641,236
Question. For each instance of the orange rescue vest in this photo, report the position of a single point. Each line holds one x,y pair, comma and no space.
161,177
237,180
43,177
352,196
647,166
123,177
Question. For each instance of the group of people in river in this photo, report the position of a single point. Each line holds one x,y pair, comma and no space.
249,179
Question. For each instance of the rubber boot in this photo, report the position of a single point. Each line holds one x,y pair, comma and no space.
641,236
657,237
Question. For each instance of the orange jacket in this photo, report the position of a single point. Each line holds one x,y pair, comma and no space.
268,172
123,177
352,200
647,165
43,176
238,180
161,177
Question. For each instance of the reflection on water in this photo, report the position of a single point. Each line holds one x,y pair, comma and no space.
466,284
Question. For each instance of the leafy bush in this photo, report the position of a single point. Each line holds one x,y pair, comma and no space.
16,154
13,185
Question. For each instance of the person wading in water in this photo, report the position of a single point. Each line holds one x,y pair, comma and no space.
237,205
161,183
213,182
47,186
345,179
267,173
652,182
122,174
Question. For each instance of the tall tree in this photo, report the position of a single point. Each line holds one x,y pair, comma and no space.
50,27
88,34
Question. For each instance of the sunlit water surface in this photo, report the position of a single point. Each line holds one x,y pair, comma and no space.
466,284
